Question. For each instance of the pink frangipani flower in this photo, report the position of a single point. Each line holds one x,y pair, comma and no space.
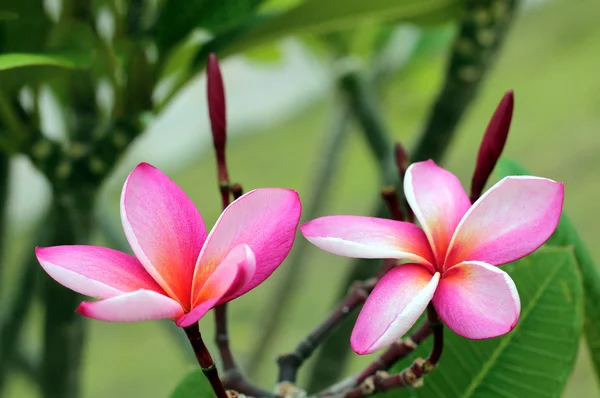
179,271
451,260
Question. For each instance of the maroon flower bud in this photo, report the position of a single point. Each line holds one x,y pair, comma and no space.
217,113
401,159
492,144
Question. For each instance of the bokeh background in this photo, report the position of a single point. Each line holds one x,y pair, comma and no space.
280,109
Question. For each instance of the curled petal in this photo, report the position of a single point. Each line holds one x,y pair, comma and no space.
164,229
477,300
395,304
264,219
95,271
141,305
232,275
369,237
439,202
512,219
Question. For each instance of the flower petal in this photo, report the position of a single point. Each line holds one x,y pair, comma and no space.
395,304
141,305
264,219
369,237
234,273
164,228
477,300
95,271
512,219
439,202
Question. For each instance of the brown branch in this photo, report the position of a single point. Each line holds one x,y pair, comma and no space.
379,381
205,360
396,352
291,362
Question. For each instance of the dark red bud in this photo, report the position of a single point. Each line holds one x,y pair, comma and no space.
492,144
217,114
401,159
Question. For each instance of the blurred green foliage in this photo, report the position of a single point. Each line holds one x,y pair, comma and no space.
550,60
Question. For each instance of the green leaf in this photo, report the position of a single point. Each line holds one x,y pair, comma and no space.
318,16
193,385
536,358
8,15
566,236
20,60
179,18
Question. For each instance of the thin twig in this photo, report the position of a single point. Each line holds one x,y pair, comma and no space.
396,352
290,363
412,376
205,360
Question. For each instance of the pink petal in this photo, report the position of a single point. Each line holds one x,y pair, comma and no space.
95,271
369,237
477,300
439,202
511,220
264,219
395,304
164,228
141,305
234,273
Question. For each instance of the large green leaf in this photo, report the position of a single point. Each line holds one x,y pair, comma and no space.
536,358
318,16
178,18
193,385
20,60
566,236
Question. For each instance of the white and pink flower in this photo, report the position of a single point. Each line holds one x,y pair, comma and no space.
451,260
179,271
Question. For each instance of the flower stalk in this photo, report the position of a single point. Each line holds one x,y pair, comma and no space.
205,360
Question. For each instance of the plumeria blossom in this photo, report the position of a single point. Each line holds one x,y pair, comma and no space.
451,259
179,271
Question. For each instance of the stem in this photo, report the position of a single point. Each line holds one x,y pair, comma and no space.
390,196
438,335
205,360
290,363
329,160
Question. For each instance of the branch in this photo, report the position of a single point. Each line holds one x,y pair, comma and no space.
290,363
396,352
380,381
